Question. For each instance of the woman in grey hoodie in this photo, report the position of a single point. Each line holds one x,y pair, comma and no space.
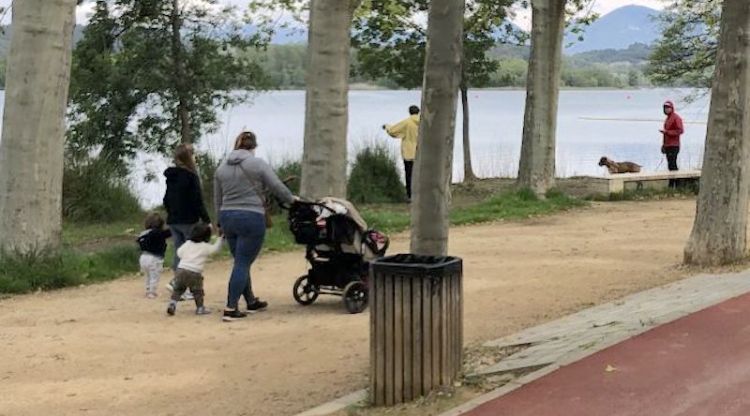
239,185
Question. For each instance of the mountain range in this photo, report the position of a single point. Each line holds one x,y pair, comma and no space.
618,30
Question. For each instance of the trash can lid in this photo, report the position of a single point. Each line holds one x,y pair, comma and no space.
413,264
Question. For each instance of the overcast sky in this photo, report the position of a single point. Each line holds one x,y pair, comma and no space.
600,6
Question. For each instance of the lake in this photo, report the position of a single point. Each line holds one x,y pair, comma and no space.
591,124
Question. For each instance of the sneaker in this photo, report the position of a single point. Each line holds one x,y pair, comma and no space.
171,309
151,295
202,311
187,296
170,285
257,306
233,315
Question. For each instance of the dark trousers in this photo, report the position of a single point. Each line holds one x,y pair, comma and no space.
408,167
671,153
244,231
185,279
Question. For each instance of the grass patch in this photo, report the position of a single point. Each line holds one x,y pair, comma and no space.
99,252
392,219
42,271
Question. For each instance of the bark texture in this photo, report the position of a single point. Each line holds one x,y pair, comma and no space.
537,165
178,63
31,150
468,168
434,163
324,160
719,233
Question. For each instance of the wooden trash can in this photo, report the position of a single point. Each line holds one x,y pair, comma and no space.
416,326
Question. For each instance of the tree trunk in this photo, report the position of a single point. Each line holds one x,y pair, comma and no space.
434,163
31,150
178,60
324,160
468,169
537,165
719,231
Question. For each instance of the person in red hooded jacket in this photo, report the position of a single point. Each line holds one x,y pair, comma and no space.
672,131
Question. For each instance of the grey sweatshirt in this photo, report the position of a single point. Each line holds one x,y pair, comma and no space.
240,180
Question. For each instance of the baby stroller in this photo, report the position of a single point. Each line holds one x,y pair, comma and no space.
339,247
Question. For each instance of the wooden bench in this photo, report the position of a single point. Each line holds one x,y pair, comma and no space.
615,183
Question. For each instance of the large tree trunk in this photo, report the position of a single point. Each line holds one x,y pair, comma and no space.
468,169
537,165
719,231
434,163
324,159
31,150
178,64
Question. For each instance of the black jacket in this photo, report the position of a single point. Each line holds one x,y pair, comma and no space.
154,241
184,199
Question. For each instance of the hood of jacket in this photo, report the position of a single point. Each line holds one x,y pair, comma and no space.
238,156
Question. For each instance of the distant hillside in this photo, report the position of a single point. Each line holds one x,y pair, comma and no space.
618,30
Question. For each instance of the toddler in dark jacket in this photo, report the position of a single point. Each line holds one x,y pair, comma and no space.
153,244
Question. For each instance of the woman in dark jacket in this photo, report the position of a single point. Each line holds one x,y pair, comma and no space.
183,199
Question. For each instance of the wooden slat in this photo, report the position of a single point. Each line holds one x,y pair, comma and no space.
436,333
416,333
406,305
398,341
456,327
460,318
445,334
389,393
373,310
380,346
426,337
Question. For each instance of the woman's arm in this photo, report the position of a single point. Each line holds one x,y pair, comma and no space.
218,197
274,184
397,130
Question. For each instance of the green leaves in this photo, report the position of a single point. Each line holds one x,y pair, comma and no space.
390,38
125,84
686,53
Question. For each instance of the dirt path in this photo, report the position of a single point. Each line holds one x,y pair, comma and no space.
105,349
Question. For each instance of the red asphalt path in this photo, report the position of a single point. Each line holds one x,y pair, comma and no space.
698,365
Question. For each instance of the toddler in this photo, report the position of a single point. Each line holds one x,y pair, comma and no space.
189,275
153,244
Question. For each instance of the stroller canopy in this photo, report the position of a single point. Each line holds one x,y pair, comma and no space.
343,207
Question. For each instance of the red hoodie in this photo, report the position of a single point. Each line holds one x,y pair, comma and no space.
672,127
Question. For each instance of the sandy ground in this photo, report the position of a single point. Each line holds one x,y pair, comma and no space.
105,349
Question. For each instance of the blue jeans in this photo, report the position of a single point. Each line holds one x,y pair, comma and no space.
180,234
244,232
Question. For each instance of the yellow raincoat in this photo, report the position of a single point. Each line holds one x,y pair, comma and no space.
408,131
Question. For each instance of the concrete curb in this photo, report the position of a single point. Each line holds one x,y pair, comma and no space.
335,405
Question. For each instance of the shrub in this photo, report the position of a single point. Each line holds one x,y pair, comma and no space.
375,177
93,191
290,168
21,273
207,165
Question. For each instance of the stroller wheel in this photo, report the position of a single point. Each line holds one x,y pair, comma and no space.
355,297
304,293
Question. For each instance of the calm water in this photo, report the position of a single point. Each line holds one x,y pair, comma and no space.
496,126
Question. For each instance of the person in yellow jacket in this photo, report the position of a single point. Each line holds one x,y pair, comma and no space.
407,131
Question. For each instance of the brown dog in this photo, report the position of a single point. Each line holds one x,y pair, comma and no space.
621,167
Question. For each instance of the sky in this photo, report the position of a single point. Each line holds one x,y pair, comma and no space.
600,6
